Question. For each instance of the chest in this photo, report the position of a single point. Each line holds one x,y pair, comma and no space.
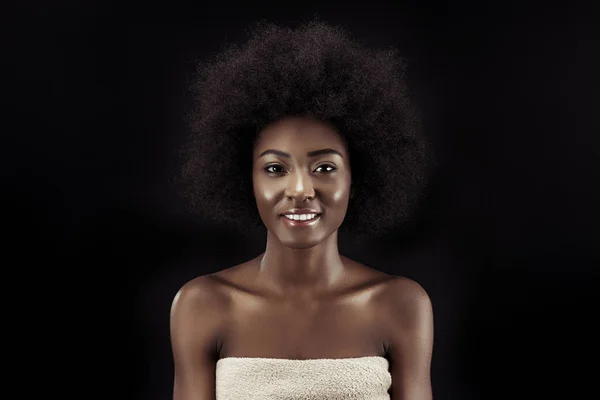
302,330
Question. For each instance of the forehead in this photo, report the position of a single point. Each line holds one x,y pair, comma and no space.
298,133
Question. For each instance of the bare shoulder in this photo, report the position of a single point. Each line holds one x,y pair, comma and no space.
407,300
202,292
409,339
364,273
198,317
403,289
199,310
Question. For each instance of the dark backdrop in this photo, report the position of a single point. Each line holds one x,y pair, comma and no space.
506,242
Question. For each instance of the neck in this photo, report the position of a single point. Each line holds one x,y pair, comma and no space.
292,271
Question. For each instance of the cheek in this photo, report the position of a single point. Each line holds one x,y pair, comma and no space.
339,195
267,194
264,192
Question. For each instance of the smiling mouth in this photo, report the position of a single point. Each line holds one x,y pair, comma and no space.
301,220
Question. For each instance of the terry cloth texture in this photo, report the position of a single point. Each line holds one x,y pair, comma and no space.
249,378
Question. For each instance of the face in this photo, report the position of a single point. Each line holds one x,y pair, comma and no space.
300,163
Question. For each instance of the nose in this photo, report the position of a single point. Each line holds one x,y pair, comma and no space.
299,187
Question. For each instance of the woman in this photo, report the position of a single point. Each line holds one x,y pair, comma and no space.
310,129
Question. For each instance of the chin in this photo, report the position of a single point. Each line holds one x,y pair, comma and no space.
301,242
301,245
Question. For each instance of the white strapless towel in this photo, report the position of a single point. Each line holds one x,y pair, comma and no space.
249,378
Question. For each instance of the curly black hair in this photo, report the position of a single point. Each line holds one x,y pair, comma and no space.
316,71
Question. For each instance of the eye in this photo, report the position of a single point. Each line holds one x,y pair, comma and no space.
269,169
331,167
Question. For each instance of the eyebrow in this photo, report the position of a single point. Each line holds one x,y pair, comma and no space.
313,153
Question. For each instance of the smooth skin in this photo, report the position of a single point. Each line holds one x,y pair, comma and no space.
301,299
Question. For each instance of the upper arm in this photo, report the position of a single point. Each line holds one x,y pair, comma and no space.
195,320
411,341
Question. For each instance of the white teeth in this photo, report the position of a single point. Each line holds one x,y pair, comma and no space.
300,217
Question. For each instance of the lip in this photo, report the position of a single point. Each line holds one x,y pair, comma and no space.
300,211
298,224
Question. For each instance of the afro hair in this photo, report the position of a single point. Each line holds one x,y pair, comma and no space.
316,71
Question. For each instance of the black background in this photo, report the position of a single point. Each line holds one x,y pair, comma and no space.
506,243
